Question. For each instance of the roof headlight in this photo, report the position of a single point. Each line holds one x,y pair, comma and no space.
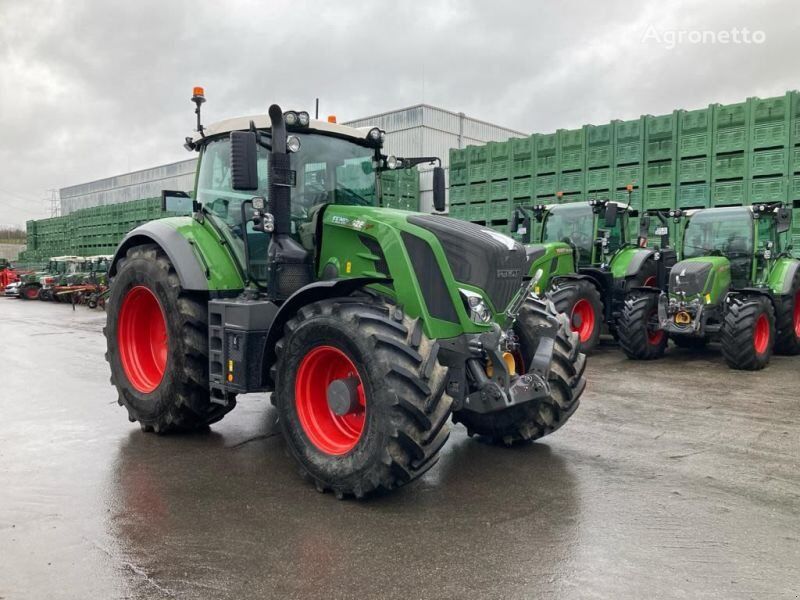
374,134
290,117
392,163
303,118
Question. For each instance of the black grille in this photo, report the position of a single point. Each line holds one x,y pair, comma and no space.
479,256
689,277
375,249
430,278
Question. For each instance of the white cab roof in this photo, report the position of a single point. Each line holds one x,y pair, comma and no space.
263,122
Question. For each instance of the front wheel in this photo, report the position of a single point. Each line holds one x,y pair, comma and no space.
360,395
532,420
637,327
157,340
787,340
581,302
748,333
30,292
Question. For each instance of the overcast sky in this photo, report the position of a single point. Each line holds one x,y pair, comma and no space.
96,88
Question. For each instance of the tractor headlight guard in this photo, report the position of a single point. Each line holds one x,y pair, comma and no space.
478,310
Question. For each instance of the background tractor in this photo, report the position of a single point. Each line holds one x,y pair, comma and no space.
587,262
736,283
370,326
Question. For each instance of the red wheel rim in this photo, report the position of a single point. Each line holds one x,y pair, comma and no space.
797,315
331,433
654,335
650,281
142,339
583,319
761,334
31,293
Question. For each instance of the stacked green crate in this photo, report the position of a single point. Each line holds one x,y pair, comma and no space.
499,210
522,183
545,165
599,160
571,164
459,184
729,165
694,158
771,151
660,161
479,160
399,189
628,161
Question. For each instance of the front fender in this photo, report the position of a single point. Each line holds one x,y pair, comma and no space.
782,275
629,261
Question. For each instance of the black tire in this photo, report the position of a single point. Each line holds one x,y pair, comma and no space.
787,336
566,295
30,292
638,335
689,342
740,345
530,421
407,409
646,275
181,401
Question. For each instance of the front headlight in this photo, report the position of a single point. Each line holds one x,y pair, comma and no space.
475,305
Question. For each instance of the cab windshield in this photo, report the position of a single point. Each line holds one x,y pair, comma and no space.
724,232
329,170
573,224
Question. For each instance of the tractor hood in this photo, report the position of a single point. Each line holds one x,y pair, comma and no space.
479,256
695,276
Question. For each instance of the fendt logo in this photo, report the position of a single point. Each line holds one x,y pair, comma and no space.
508,273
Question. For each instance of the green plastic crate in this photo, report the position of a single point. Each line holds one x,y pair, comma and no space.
499,209
522,156
572,149
546,155
768,189
478,163
599,145
729,166
500,166
771,121
731,127
522,188
694,195
661,134
545,185
459,194
478,211
572,182
458,166
695,132
629,141
795,189
478,192
598,179
498,190
662,197
728,193
692,170
635,196
769,162
458,211
628,175
660,173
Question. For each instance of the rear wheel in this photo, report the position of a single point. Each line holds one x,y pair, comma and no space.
157,339
360,395
787,340
30,292
748,333
532,420
638,330
581,302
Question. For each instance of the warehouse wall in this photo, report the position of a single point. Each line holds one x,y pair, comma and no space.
10,251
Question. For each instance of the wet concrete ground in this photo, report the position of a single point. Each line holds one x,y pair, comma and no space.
676,479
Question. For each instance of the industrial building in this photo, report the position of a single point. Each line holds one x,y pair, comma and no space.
420,130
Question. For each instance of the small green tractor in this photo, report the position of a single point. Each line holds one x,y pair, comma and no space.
587,263
736,283
371,327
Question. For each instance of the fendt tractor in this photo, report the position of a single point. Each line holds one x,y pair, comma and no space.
736,283
370,326
588,263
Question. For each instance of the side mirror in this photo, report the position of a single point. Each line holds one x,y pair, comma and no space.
438,189
514,221
176,201
611,215
644,226
783,220
244,160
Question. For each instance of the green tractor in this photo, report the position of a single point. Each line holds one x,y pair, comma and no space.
736,283
62,270
31,283
371,327
587,263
